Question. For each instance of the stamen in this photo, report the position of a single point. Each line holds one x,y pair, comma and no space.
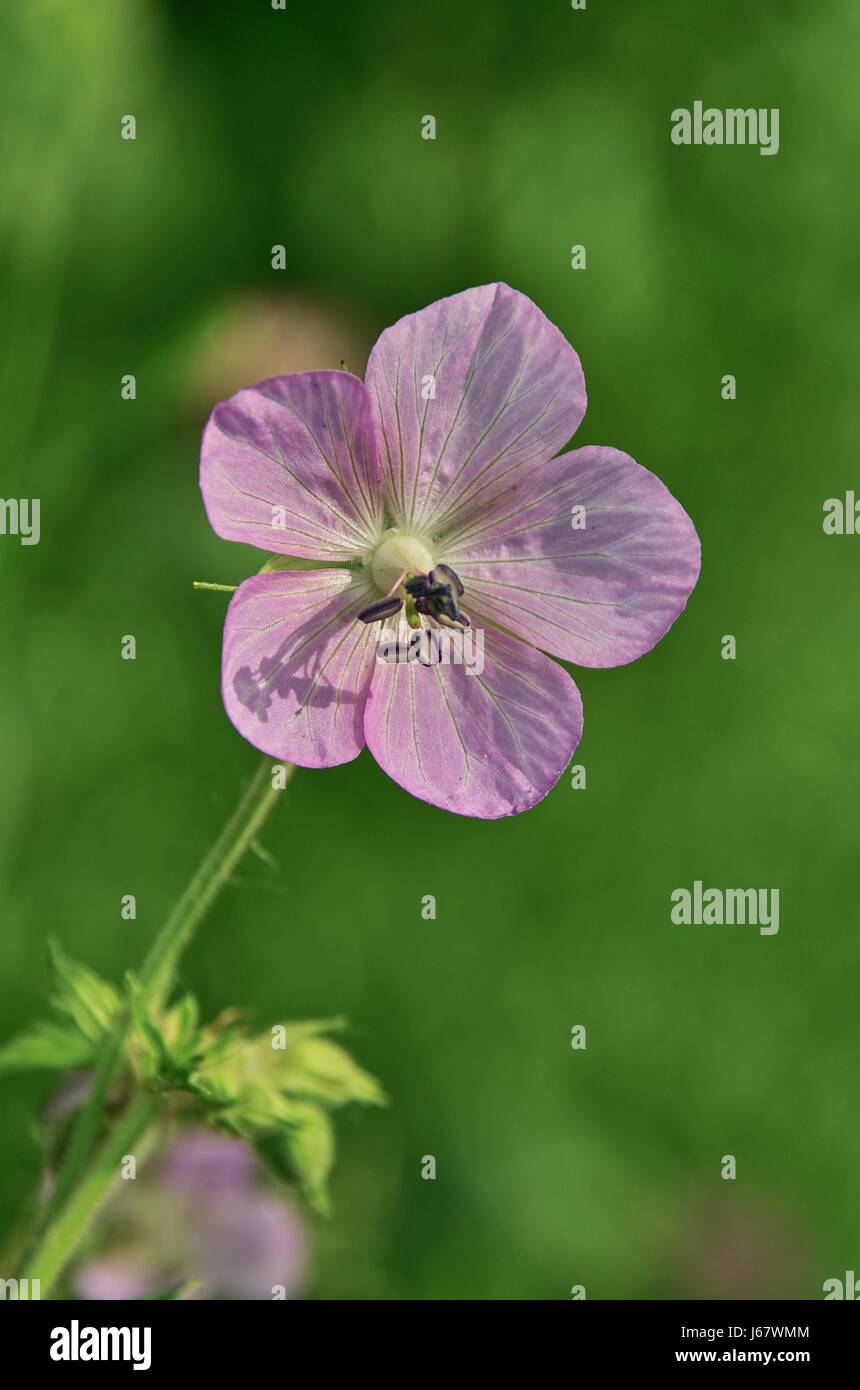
433,594
380,609
398,581
449,577
429,647
413,618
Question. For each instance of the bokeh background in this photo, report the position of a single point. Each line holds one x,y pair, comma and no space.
302,127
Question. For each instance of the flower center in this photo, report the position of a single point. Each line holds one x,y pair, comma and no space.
403,572
396,553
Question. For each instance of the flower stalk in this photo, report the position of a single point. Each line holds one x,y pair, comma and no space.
65,1233
83,1183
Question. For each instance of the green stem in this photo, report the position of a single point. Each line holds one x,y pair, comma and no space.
65,1234
156,978
240,830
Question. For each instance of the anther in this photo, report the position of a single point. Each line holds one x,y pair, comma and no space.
434,595
445,574
380,608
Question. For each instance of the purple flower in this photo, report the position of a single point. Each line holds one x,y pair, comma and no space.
434,486
206,1164
200,1216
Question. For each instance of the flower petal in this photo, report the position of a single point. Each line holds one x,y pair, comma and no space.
509,392
598,596
290,465
296,664
485,744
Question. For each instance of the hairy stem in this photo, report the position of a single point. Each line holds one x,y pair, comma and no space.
156,977
239,832
65,1233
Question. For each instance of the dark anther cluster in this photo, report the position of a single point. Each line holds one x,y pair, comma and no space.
436,594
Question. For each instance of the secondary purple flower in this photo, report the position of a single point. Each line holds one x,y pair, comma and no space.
433,488
200,1216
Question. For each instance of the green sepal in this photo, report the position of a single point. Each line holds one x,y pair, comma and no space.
320,1069
295,562
274,1090
303,1155
46,1045
166,1049
88,1007
89,1001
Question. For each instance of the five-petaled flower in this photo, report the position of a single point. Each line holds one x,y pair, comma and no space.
433,489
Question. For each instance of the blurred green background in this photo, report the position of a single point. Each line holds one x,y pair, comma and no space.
302,127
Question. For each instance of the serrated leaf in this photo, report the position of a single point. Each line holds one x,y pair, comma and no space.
257,1110
89,1001
46,1045
272,1151
314,1028
273,1090
166,1064
183,1021
303,1155
321,1069
311,1148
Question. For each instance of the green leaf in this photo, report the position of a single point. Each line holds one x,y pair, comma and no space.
90,1005
274,1089
165,1049
183,1021
46,1045
291,1033
90,1002
303,1154
320,1069
311,1148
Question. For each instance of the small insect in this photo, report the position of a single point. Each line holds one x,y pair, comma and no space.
436,594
